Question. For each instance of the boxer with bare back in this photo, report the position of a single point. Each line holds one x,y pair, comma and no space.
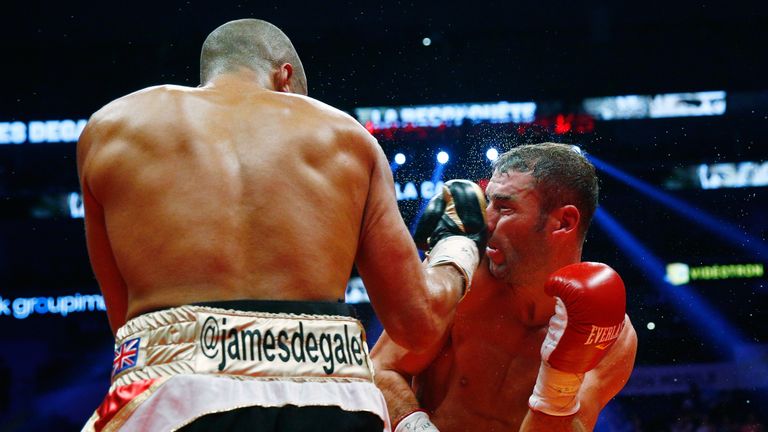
222,224
541,341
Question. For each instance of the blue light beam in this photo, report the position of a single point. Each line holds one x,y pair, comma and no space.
697,311
437,175
725,230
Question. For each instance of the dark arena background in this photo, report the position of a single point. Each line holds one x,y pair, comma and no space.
669,100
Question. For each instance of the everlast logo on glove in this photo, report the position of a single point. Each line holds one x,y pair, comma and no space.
604,335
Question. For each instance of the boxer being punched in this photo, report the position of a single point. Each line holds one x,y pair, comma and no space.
541,341
222,224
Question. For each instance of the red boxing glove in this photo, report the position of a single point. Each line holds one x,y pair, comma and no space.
589,316
594,302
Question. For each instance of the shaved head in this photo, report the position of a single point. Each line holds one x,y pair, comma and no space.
253,44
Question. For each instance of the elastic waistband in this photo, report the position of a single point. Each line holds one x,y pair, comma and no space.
284,306
197,339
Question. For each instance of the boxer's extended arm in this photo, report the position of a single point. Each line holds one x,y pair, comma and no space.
394,378
99,249
395,367
390,267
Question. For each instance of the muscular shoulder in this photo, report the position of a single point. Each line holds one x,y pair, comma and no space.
126,115
133,108
321,109
138,101
337,119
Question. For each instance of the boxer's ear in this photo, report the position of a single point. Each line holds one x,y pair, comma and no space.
566,219
282,78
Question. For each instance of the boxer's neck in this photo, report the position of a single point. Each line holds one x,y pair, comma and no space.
533,304
524,299
532,307
236,80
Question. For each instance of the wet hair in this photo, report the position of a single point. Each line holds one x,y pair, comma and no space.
253,44
562,174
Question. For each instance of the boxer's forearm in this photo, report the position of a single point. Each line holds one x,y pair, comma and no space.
394,366
446,285
599,387
401,400
612,373
584,420
539,422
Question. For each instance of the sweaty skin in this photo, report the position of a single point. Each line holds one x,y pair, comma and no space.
486,375
233,191
481,375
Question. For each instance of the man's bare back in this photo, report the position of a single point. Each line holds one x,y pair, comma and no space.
229,191
223,221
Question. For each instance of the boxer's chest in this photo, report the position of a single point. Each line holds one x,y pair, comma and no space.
492,369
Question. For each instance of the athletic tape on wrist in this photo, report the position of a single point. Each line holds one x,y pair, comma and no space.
556,392
459,251
415,421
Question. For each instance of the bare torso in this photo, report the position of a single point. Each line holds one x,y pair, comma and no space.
223,193
484,375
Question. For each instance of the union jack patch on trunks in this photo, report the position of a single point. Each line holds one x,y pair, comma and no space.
126,356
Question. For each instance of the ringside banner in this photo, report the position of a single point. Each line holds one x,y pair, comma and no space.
41,131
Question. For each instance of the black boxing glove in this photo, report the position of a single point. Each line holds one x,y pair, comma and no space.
453,229
458,210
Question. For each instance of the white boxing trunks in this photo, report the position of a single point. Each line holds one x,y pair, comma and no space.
262,361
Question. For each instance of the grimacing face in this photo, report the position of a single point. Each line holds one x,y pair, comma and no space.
517,244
